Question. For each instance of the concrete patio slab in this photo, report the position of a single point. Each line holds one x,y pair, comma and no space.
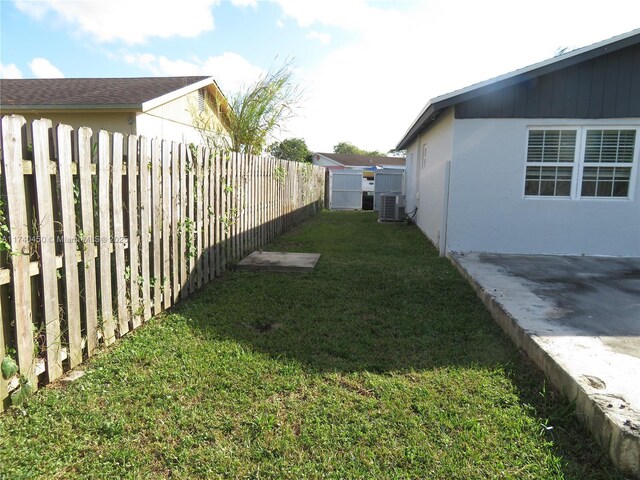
279,262
578,318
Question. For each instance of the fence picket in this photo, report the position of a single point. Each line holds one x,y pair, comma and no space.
47,247
224,216
12,127
104,215
218,213
205,215
198,220
191,210
184,258
71,281
3,383
212,214
166,224
156,226
88,235
145,218
175,220
118,236
133,166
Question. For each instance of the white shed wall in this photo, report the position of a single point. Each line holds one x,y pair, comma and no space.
489,213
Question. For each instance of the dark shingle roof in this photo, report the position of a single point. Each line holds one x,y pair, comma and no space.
83,92
364,160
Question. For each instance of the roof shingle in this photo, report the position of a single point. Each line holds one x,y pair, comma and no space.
79,92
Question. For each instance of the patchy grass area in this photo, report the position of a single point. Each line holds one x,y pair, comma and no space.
380,364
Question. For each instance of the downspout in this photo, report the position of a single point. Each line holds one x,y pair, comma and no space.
445,210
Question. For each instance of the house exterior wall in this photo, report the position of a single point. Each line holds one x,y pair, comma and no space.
489,213
431,173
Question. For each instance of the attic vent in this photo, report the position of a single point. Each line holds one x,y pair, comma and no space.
201,94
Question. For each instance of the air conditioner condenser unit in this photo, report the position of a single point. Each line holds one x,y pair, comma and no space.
392,206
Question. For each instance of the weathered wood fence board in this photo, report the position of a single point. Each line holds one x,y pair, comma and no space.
17,215
118,236
47,246
102,239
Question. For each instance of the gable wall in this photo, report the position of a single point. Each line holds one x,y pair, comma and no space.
605,87
174,120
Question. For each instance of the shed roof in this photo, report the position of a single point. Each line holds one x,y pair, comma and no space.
139,93
436,105
364,160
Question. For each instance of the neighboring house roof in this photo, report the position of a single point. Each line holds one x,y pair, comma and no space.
363,160
137,94
436,105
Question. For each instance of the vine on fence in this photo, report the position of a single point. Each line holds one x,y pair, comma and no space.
5,233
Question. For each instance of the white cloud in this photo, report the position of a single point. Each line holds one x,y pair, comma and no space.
346,14
368,91
230,70
280,23
130,21
10,71
323,38
244,3
43,68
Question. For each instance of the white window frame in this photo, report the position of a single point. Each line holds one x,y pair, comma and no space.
578,165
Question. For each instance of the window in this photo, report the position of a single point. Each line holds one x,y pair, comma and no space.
550,158
583,162
608,158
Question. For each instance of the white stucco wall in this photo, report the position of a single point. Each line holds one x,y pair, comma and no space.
431,175
489,213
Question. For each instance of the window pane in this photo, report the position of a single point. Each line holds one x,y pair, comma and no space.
613,146
606,181
551,146
548,181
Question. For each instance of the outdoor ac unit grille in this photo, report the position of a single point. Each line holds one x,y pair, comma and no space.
391,208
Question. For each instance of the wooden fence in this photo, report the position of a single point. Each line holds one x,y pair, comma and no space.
102,232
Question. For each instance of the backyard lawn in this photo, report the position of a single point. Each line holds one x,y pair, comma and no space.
379,364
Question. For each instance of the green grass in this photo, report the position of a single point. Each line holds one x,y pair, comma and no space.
379,364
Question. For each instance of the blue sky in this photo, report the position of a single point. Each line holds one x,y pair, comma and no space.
367,67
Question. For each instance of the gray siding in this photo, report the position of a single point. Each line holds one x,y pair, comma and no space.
605,87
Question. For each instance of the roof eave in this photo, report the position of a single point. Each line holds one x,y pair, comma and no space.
134,107
167,97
